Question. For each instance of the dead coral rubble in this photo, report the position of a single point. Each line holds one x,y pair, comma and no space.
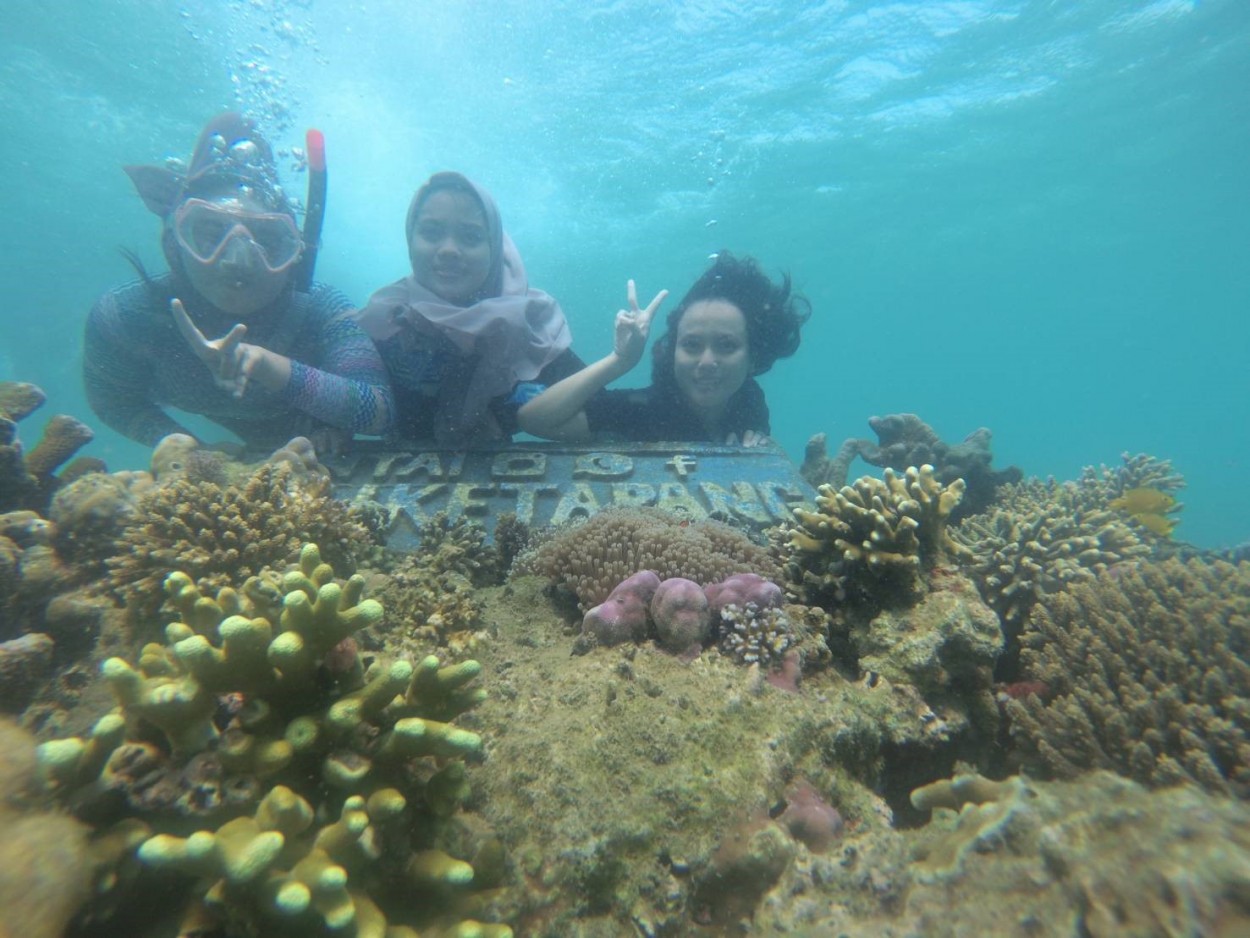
1149,674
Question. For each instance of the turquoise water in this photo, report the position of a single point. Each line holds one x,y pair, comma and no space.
1033,217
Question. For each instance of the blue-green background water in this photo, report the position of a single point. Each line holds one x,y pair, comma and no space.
1028,216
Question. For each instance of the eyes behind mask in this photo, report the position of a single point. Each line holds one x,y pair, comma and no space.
205,230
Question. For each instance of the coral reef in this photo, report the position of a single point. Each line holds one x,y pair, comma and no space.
1140,490
744,589
681,614
751,635
218,534
1102,857
622,616
27,479
946,646
1039,539
24,663
319,797
589,559
867,544
630,786
432,590
47,870
905,440
1148,674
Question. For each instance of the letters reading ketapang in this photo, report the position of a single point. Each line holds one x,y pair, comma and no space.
555,485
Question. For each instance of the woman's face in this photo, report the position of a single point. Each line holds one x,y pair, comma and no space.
450,246
237,279
711,357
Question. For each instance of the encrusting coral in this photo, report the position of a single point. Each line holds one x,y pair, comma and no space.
589,559
869,543
332,787
1148,675
1099,856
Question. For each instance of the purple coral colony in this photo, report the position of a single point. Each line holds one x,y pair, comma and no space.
946,693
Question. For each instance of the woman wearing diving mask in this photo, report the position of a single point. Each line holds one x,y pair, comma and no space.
226,333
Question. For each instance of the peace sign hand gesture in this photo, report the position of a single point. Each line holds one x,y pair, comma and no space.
633,325
229,358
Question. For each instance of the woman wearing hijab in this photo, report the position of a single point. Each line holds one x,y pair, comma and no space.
732,325
465,339
225,333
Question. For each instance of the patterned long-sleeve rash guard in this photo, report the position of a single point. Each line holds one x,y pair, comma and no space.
136,363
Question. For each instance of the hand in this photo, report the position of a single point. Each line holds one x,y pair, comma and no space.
330,441
230,359
633,325
749,438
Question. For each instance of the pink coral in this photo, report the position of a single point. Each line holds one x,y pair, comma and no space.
681,614
742,589
622,617
809,818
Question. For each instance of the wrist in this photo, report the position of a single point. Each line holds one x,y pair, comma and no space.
617,365
273,371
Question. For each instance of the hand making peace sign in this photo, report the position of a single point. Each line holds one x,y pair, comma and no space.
230,359
633,325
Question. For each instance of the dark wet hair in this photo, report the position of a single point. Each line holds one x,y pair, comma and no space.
774,316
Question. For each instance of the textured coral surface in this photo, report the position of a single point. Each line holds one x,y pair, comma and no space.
1148,671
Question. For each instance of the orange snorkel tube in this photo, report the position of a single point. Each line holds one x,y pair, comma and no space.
314,215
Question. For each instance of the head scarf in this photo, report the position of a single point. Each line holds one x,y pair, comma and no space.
507,334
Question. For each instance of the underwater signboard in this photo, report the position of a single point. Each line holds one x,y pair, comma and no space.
552,483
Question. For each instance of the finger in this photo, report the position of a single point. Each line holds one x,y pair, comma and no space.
731,439
631,292
652,307
231,352
231,340
193,336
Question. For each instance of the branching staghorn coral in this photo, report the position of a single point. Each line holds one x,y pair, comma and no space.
905,440
589,559
218,534
1040,538
1148,672
312,805
869,542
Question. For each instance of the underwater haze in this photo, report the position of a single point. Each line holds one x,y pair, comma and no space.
1028,216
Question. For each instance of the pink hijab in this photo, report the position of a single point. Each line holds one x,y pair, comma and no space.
508,334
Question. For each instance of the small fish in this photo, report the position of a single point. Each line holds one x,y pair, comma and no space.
1144,501
1156,523
1148,507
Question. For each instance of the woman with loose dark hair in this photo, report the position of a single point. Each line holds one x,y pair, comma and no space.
731,326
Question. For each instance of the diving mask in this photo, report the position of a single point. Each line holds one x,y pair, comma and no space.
206,229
